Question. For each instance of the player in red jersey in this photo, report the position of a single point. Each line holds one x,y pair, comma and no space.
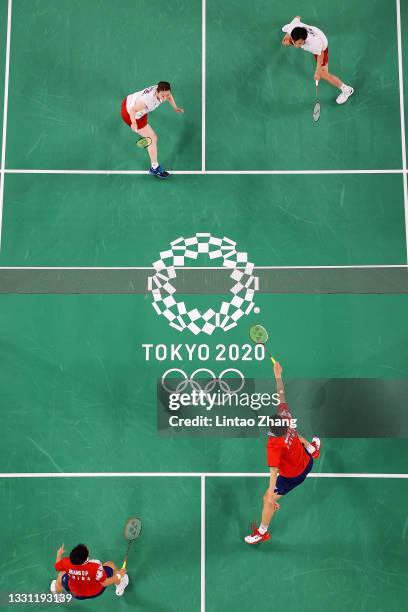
288,454
86,578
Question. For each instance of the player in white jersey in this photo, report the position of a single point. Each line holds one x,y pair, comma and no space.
309,38
135,112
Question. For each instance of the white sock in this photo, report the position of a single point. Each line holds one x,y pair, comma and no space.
344,88
310,448
262,529
154,166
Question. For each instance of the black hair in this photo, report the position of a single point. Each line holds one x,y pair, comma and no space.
163,86
79,554
281,428
298,34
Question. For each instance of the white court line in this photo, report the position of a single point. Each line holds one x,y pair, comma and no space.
5,111
188,475
402,115
203,172
203,76
151,269
202,543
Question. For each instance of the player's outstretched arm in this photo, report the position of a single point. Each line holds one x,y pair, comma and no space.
287,39
173,104
60,553
319,63
277,370
272,484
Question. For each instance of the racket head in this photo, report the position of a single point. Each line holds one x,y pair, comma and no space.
316,112
144,142
133,529
258,334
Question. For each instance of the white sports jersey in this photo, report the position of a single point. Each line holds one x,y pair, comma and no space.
316,41
149,98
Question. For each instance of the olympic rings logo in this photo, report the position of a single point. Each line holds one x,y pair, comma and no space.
209,381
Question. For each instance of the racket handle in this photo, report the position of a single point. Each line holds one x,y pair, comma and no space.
272,358
124,564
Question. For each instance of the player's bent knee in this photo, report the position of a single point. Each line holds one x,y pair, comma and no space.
269,498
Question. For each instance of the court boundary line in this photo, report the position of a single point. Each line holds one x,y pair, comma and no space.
152,269
203,83
5,112
402,119
206,172
200,475
202,489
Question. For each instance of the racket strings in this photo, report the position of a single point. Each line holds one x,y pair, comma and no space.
259,335
132,529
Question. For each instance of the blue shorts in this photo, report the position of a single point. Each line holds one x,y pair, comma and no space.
65,579
284,485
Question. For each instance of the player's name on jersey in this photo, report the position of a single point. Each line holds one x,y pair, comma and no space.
261,420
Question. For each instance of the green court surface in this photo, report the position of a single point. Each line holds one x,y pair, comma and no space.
265,120
70,511
335,545
77,383
71,67
78,394
279,220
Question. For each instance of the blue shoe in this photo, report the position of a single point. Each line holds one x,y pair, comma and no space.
160,172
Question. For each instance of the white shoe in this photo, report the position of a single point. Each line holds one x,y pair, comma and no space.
316,443
344,96
255,537
53,586
120,589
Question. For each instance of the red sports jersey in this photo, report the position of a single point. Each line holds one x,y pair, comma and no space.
287,453
84,580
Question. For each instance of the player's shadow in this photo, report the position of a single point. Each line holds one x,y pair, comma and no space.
187,134
233,504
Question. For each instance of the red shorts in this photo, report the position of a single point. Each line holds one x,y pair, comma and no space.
141,123
325,57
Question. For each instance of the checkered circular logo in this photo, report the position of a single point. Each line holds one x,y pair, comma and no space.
184,249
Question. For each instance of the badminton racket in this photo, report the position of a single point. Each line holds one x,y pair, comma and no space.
259,335
131,532
316,108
